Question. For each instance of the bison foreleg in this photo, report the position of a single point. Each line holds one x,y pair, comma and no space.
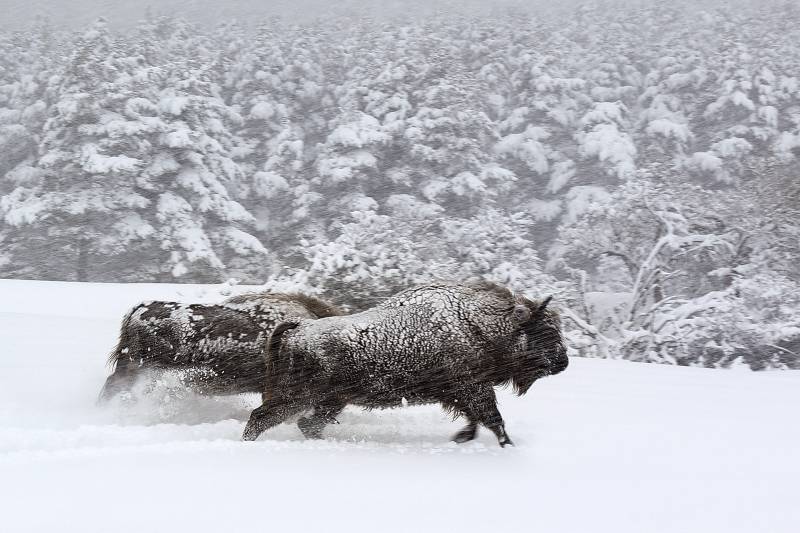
323,415
479,405
499,429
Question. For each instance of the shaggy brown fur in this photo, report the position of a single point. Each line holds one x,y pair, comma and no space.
318,307
441,343
216,348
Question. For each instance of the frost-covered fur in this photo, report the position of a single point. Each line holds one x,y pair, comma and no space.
218,346
441,343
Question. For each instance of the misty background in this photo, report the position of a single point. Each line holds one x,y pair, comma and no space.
637,160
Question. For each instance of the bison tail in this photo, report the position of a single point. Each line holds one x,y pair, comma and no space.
274,343
125,338
115,355
277,366
117,359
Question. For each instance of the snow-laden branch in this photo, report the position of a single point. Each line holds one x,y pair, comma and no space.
587,328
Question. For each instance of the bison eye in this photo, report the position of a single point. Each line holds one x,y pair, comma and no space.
522,313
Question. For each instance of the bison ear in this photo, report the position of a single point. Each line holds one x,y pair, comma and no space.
542,307
522,313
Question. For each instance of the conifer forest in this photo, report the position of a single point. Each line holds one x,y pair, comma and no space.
641,164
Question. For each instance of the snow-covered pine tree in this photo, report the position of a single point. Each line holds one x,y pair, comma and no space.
255,80
193,182
29,69
68,213
445,149
374,255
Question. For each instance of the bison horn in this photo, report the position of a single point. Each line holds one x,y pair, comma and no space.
544,304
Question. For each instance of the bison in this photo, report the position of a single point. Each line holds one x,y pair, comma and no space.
218,348
443,343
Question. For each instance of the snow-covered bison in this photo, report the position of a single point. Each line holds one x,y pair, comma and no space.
441,343
218,348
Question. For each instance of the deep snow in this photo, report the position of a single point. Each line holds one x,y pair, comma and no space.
605,446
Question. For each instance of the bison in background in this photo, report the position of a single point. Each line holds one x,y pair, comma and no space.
217,348
441,343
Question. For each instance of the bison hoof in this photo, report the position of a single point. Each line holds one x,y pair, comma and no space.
249,435
309,429
251,432
506,442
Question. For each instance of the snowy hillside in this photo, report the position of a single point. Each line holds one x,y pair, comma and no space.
606,446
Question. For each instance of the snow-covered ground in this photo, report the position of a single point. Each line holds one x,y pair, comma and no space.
605,446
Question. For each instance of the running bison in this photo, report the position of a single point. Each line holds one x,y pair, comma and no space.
442,343
218,348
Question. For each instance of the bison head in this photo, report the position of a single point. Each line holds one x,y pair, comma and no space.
542,351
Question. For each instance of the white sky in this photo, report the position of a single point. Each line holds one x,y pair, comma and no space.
121,13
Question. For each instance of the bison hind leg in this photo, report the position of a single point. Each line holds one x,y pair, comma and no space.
467,433
118,382
324,414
